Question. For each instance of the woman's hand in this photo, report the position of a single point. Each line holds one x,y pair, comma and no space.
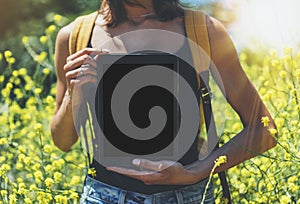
81,69
72,73
159,172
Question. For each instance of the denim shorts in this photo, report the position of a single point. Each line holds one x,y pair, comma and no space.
95,191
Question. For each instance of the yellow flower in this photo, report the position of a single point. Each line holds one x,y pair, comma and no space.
282,74
53,91
5,167
57,18
38,175
50,30
58,163
20,181
33,187
49,168
11,60
50,100
275,63
27,200
7,54
18,93
285,199
243,57
294,188
19,166
220,160
61,199
49,182
242,188
265,120
25,40
273,131
21,157
3,141
31,134
1,56
92,172
57,176
293,92
12,198
74,195
2,77
297,73
293,179
43,39
75,180
21,189
17,81
38,126
43,197
9,85
28,87
41,57
2,159
47,148
27,160
3,193
5,92
46,71
22,71
15,73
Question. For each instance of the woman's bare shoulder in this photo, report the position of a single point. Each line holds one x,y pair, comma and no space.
63,35
219,39
214,25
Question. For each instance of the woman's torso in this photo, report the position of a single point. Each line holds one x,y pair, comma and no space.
149,35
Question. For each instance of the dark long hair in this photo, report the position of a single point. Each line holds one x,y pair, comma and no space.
114,12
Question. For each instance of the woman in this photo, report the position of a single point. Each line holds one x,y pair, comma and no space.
183,182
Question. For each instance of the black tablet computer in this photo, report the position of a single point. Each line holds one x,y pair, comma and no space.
136,110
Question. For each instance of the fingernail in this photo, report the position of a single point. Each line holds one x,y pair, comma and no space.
105,50
136,162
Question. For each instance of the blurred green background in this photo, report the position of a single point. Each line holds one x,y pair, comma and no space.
31,17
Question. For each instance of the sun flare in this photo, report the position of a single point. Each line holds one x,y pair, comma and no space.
267,23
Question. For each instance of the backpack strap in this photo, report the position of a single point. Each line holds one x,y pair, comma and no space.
196,30
81,32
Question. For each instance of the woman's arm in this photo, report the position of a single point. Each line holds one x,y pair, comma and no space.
62,126
254,139
69,96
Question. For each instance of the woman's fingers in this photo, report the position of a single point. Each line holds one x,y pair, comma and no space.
157,172
84,59
85,69
85,56
88,52
79,82
81,67
152,165
129,172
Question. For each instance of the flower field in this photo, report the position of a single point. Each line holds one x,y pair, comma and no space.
33,170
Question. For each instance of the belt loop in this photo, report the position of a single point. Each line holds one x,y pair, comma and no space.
122,197
179,197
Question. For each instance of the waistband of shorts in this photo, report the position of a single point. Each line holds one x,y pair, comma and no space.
96,183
